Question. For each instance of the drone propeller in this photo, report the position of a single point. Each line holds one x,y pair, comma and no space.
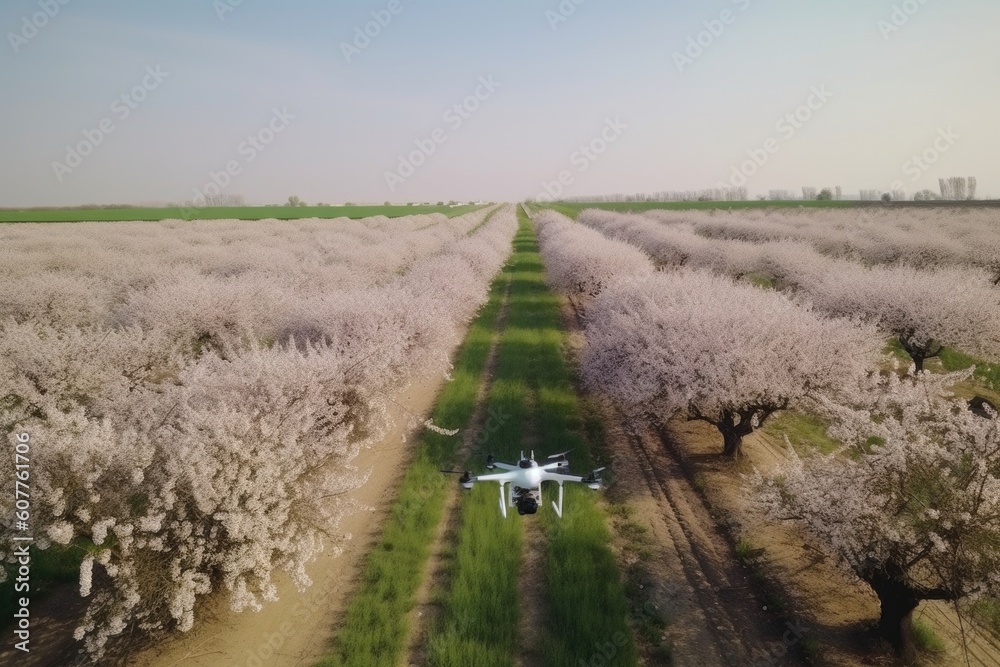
561,455
466,475
594,478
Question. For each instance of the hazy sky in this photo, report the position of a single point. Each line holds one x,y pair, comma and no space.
269,90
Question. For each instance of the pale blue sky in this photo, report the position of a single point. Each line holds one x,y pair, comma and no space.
557,89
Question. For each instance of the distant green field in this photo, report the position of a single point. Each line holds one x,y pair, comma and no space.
223,213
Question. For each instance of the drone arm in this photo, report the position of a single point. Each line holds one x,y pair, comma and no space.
495,477
558,477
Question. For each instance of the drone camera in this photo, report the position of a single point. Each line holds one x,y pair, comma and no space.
526,500
527,505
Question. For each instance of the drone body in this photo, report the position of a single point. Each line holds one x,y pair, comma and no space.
526,479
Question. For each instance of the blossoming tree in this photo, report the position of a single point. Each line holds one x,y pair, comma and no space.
911,505
581,261
924,310
197,418
726,353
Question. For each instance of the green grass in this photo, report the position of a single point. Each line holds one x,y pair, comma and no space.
50,569
747,552
986,373
587,603
926,639
584,598
375,625
986,612
479,625
806,432
762,281
895,349
588,610
222,212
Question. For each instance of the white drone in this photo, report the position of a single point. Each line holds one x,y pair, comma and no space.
526,479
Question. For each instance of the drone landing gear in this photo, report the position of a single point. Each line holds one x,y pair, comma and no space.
558,508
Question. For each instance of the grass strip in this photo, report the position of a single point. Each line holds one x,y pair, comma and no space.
374,628
479,625
588,610
537,407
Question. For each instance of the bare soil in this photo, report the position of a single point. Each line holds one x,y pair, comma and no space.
837,610
531,591
812,592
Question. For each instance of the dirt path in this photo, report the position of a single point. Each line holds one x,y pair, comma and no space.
532,587
531,591
295,630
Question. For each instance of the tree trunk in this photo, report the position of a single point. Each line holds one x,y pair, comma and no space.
734,425
919,351
895,625
898,600
732,442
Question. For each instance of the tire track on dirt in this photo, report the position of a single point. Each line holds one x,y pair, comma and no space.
725,595
717,617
